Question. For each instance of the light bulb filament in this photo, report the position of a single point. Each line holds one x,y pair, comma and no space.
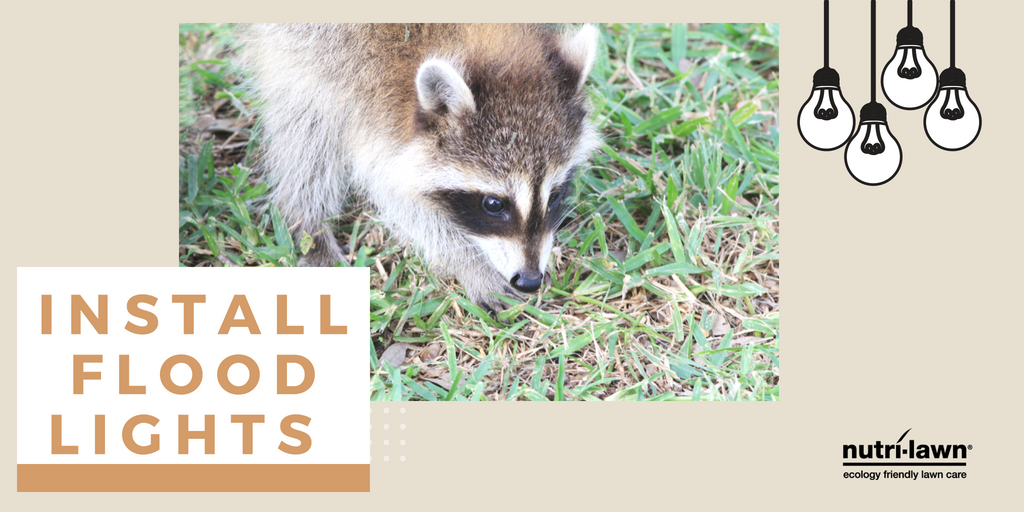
949,112
912,71
872,143
829,111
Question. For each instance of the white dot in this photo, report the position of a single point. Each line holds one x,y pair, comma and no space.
385,458
402,410
402,459
385,410
385,426
403,442
403,426
386,442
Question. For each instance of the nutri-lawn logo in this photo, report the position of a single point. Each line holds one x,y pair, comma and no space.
935,460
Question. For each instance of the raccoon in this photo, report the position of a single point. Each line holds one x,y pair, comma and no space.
464,138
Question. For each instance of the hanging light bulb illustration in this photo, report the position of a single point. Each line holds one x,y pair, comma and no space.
873,155
826,120
909,78
952,121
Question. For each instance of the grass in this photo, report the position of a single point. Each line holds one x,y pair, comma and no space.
666,279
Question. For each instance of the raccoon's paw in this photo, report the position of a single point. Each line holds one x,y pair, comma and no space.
325,253
481,288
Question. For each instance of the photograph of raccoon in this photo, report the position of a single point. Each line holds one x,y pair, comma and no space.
548,212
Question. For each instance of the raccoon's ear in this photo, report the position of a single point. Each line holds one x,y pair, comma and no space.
579,49
441,89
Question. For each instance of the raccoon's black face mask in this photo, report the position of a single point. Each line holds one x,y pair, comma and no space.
514,228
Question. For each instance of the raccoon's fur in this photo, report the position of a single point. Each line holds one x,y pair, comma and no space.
465,138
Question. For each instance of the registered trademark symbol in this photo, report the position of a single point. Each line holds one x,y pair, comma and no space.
970,447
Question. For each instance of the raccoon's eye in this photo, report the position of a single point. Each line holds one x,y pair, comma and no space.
555,199
493,205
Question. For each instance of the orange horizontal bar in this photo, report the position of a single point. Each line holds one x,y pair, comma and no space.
193,477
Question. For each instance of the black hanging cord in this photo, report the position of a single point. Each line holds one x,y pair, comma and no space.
873,50
952,33
826,33
910,13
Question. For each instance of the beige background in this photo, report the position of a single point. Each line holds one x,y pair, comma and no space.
901,301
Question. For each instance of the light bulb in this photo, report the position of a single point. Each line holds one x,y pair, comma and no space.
826,119
952,122
909,78
873,156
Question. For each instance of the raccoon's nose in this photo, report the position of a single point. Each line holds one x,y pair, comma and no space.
527,281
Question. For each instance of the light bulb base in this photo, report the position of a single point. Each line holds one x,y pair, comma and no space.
826,77
872,112
952,77
909,36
